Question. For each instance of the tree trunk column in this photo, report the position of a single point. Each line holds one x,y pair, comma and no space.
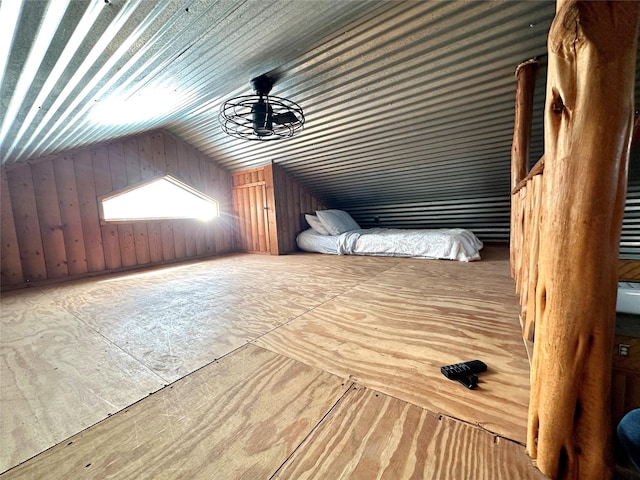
525,87
588,125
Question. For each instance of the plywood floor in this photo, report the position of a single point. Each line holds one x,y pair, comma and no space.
248,366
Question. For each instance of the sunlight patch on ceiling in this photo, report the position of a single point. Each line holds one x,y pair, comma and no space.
144,106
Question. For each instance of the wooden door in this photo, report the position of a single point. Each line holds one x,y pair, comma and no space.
251,212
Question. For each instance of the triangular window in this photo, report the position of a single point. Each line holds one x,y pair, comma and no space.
158,199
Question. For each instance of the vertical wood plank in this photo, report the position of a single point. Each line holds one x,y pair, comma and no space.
253,205
175,232
249,217
158,157
261,240
168,242
289,229
145,157
88,207
216,241
272,216
190,238
160,232
118,167
236,214
200,183
132,160
210,236
154,230
10,266
51,228
207,189
200,234
102,178
141,242
194,169
25,213
171,155
66,181
246,218
178,239
134,175
229,225
147,234
182,152
281,205
185,175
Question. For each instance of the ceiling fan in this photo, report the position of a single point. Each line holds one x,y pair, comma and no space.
261,116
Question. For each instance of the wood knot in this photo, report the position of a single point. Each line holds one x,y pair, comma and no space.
557,105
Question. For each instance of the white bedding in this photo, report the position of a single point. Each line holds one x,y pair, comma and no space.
452,244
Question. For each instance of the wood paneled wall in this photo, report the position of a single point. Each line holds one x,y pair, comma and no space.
629,270
270,207
251,211
50,222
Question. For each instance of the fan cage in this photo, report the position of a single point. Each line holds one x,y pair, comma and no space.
236,117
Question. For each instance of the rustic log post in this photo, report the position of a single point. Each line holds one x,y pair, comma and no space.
525,86
588,127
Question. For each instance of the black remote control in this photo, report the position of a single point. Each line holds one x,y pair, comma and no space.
462,370
470,382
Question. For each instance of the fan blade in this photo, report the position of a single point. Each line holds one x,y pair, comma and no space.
286,117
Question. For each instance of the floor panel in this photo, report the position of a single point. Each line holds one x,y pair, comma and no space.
393,332
238,418
58,376
373,436
73,353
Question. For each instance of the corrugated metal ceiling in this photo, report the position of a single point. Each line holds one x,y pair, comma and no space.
407,102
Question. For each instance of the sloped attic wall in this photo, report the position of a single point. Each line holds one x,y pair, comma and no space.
488,217
50,221
409,104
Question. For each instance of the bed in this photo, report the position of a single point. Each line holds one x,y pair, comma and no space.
335,232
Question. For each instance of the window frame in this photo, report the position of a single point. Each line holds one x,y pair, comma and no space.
130,188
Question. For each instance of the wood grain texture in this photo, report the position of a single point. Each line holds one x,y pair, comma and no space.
386,323
177,319
629,270
87,198
51,225
590,89
237,418
10,265
58,376
70,214
67,346
118,167
525,87
393,333
268,205
65,208
104,185
371,435
25,217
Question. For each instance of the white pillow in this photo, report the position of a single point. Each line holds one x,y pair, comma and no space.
315,223
337,221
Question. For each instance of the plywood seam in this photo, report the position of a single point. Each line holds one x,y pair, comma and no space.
104,273
471,424
350,387
54,299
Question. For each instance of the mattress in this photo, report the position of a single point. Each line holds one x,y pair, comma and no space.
452,244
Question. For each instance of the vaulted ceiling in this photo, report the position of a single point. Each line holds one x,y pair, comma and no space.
407,102
397,95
